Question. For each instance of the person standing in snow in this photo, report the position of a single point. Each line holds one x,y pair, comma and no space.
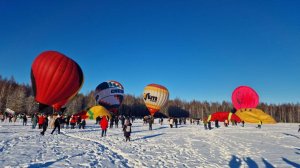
205,124
209,125
67,121
56,124
299,129
127,130
151,120
34,121
45,124
78,121
226,123
259,124
161,121
41,119
72,122
24,120
98,120
116,121
111,122
176,122
83,123
122,121
171,121
104,125
217,123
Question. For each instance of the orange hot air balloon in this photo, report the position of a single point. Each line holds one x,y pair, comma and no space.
55,77
155,96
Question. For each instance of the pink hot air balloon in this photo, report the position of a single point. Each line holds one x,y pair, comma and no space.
244,97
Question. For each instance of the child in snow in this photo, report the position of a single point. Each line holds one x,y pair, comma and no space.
127,130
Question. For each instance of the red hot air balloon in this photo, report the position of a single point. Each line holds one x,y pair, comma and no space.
58,105
55,77
244,97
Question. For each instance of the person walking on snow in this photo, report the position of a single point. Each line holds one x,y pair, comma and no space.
127,130
56,124
104,125
44,124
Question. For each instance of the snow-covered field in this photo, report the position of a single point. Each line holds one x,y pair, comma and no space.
187,146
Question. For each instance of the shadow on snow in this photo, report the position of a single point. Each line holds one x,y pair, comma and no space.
291,163
236,162
292,135
47,164
149,136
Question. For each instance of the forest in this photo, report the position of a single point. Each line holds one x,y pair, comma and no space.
20,98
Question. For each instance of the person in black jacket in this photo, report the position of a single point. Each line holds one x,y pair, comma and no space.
98,119
82,124
45,124
56,124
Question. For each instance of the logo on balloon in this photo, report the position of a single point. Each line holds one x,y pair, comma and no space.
117,91
147,96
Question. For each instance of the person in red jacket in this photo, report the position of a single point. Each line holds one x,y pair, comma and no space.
41,121
72,121
104,125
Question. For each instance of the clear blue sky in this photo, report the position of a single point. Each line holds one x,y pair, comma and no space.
201,49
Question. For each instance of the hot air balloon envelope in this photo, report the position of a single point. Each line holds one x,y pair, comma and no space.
96,111
222,116
254,116
55,77
244,97
110,95
58,105
155,96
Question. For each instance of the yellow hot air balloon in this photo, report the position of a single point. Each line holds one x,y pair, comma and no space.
96,111
253,115
155,96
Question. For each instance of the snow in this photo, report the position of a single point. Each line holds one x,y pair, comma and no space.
187,146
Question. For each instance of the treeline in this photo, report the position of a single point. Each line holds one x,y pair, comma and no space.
19,98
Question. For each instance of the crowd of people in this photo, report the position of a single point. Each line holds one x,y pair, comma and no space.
57,122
